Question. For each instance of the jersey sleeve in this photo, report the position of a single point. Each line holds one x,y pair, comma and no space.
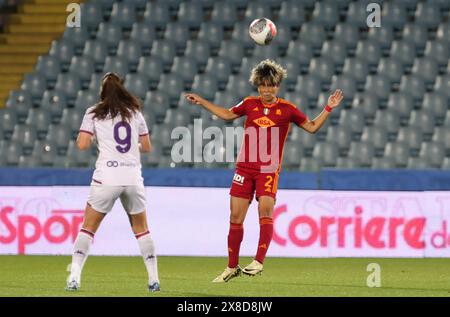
142,125
87,125
297,116
240,109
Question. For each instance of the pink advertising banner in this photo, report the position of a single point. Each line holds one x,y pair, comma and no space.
195,221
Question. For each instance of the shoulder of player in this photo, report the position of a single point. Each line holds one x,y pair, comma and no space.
251,99
286,103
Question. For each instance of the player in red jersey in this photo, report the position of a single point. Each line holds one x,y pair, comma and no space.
267,124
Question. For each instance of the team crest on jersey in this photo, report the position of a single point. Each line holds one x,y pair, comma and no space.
264,122
266,111
278,112
255,109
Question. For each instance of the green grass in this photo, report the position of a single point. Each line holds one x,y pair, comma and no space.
191,276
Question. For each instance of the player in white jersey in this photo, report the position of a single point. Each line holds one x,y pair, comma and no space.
121,133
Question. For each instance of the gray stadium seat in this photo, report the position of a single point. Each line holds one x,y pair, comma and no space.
92,15
20,101
413,137
255,10
398,152
369,51
40,119
191,13
137,84
301,51
327,153
322,68
347,33
178,33
173,85
240,86
417,163
354,120
212,33
443,31
186,68
427,68
53,102
83,67
379,85
163,133
96,80
240,33
413,85
13,152
165,50
63,50
86,99
347,84
97,50
25,135
367,102
415,33
149,118
44,153
293,13
442,85
309,85
152,67
77,158
145,34
402,103
271,51
384,163
177,117
205,85
293,71
60,136
377,136
424,120
194,111
428,14
438,50
388,120
115,64
292,155
199,50
334,50
110,33
313,33
357,68
405,51
123,14
152,159
220,67
357,13
224,14
383,36
232,50
157,14
131,51
49,66
157,102
326,13
437,103
362,152
442,135
394,14
78,36
35,84
347,163
70,84
341,135
309,164
391,68
71,119
433,153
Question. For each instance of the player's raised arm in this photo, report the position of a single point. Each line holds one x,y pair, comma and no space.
84,140
312,126
221,112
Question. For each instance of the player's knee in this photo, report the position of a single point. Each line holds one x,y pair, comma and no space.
236,218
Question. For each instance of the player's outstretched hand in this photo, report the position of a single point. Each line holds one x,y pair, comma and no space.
194,98
335,99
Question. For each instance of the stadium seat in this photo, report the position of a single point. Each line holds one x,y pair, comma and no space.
131,51
49,66
92,14
394,13
53,102
157,102
199,50
426,68
323,68
334,50
137,84
25,135
21,102
404,51
271,51
433,153
417,163
86,99
224,14
194,111
35,84
77,36
413,85
357,68
377,136
225,100
63,50
327,153
60,135
385,163
152,159
247,42
382,36
357,13
413,137
310,85
205,85
379,85
341,135
178,117
115,64
145,34
163,133
347,84
292,154
293,71
367,102
256,9
436,103
220,67
442,135
232,50
97,50
402,103
442,85
369,51
326,13
398,152
438,50
354,120
191,13
416,34
240,86
77,158
71,119
301,51
157,14
178,34
388,120
309,164
70,84
428,14
40,120
106,4
443,32
293,14
109,33
173,85
313,33
212,33
149,117
165,50
82,67
348,34
44,153
423,120
123,15
391,68
152,67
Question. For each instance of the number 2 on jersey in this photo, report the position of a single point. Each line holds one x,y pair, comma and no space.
268,184
124,144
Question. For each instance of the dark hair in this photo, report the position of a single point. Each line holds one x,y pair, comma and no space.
115,99
267,72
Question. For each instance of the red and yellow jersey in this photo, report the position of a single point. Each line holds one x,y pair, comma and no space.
266,129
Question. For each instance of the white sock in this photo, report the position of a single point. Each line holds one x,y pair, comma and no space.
80,253
147,248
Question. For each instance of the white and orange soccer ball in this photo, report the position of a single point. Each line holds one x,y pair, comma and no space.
262,31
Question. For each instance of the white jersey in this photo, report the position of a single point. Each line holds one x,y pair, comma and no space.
119,161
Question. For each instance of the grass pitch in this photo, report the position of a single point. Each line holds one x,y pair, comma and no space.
191,276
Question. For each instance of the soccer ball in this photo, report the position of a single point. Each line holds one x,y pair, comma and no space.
262,31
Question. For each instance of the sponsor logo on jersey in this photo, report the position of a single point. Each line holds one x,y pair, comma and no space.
238,179
266,111
278,112
112,164
264,122
256,109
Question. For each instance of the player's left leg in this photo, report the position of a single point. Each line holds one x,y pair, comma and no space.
134,202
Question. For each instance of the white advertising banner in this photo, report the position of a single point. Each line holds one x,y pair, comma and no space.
195,222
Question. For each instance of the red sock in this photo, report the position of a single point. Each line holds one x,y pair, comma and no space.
265,236
234,244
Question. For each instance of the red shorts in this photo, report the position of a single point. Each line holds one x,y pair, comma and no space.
246,182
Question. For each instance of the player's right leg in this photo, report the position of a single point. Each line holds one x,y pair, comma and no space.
100,201
239,207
